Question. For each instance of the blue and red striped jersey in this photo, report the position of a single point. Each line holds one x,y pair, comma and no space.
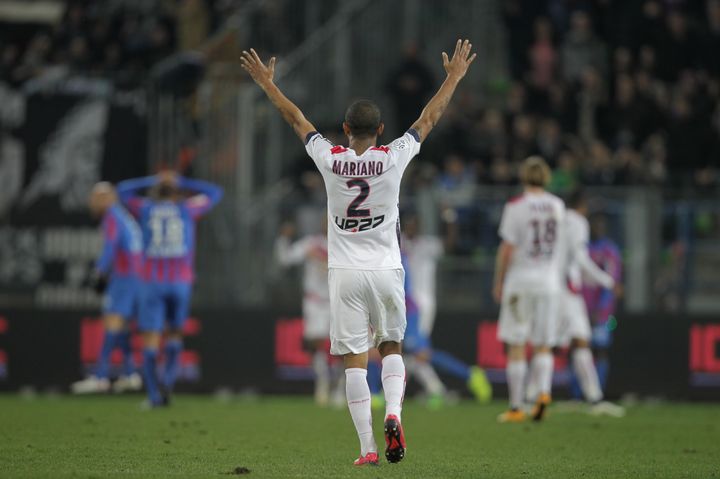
122,244
600,301
168,227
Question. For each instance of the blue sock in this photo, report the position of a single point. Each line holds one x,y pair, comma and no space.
445,361
173,347
374,377
126,348
103,365
150,375
603,369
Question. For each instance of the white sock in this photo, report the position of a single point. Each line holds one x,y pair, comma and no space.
393,381
532,388
587,374
544,369
426,376
516,371
358,399
321,368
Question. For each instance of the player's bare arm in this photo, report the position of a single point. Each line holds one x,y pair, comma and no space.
263,75
455,67
504,255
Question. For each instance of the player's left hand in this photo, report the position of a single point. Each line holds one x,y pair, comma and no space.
262,74
458,65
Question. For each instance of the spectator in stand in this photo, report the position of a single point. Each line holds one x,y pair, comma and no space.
582,49
522,142
709,53
544,61
456,185
410,86
678,47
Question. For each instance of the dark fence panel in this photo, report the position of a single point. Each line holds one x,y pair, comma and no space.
262,351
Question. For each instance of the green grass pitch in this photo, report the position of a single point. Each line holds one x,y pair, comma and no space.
199,436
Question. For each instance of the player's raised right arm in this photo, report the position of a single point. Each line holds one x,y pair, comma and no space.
263,75
456,67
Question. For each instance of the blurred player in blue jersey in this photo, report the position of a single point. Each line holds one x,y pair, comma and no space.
117,274
601,302
422,359
167,219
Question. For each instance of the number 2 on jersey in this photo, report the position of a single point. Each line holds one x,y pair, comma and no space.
352,210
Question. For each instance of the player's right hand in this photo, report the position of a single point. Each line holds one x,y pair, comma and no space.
262,74
457,66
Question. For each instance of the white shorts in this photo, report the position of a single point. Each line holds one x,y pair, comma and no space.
316,319
528,317
574,321
426,307
368,308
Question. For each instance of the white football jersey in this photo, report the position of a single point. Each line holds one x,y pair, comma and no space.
363,195
534,224
311,252
579,265
422,254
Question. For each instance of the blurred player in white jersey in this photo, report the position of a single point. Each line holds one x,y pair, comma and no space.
575,329
311,252
423,252
365,269
528,280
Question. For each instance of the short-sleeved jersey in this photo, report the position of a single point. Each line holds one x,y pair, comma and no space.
601,301
168,227
312,253
579,266
534,224
422,254
122,244
363,194
577,231
169,241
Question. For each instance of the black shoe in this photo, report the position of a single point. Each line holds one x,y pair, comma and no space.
395,439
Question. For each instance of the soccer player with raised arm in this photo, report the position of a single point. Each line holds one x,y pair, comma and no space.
167,220
365,268
528,279
117,275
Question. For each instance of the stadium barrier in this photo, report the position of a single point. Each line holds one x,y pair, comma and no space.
261,351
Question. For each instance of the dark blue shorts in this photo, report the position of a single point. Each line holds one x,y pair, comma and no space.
122,297
164,304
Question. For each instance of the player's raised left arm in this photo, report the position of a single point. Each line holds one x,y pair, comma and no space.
263,75
456,67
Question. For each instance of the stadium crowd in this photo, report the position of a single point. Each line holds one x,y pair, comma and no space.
122,39
611,93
